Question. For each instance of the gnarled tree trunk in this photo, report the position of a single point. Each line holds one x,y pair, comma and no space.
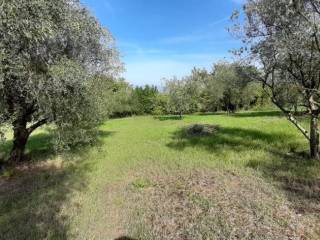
314,137
20,138
21,135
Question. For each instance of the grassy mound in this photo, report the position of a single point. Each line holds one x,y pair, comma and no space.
200,130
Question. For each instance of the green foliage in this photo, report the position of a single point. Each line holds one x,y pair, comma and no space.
145,99
161,104
228,87
282,37
50,52
179,102
114,97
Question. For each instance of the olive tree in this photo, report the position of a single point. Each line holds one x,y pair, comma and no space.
179,101
229,88
50,53
282,37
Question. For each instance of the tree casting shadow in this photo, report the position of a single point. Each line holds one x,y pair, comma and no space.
31,200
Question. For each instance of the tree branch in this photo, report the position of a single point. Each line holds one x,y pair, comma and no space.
292,119
36,125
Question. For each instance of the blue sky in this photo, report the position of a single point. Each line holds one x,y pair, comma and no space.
165,38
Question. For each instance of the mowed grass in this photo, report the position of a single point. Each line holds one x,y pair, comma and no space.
109,189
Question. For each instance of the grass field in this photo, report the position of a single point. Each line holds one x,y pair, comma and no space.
146,179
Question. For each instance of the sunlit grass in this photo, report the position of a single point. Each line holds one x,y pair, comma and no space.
77,195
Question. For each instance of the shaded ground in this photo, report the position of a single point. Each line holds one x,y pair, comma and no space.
32,194
31,203
169,117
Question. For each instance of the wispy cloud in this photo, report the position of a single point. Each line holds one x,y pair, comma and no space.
107,6
184,39
222,20
197,36
135,50
239,1
149,65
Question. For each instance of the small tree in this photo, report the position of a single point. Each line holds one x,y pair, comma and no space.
50,52
178,99
225,76
283,38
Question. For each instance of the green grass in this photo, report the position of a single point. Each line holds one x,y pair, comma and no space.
93,191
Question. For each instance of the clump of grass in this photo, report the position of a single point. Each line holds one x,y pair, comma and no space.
200,130
141,183
218,205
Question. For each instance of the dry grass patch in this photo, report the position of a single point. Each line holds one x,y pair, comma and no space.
201,130
218,205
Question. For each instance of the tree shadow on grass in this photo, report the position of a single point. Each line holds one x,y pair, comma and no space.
124,238
237,139
295,174
40,146
246,114
212,114
31,200
168,117
259,114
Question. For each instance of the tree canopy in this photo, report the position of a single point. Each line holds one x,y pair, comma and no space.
283,38
50,51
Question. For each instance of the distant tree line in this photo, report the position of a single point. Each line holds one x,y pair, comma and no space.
225,88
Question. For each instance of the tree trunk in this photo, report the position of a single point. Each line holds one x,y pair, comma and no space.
295,108
20,138
314,137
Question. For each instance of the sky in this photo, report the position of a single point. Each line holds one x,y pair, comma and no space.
164,38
